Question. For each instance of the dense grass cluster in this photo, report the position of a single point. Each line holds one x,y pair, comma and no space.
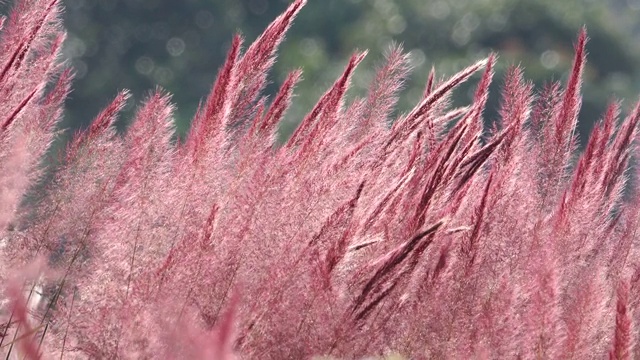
424,235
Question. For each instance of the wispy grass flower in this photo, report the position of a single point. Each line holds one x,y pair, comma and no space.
426,235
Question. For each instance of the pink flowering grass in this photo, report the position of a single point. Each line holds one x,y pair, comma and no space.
423,235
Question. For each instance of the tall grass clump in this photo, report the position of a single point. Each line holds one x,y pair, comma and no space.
364,234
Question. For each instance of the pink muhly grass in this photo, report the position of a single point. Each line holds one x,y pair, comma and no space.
623,341
424,235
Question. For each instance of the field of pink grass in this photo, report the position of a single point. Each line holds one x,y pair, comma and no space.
424,236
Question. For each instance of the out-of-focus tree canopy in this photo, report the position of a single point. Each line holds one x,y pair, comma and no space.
179,45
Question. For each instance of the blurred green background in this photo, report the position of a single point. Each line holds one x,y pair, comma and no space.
179,45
